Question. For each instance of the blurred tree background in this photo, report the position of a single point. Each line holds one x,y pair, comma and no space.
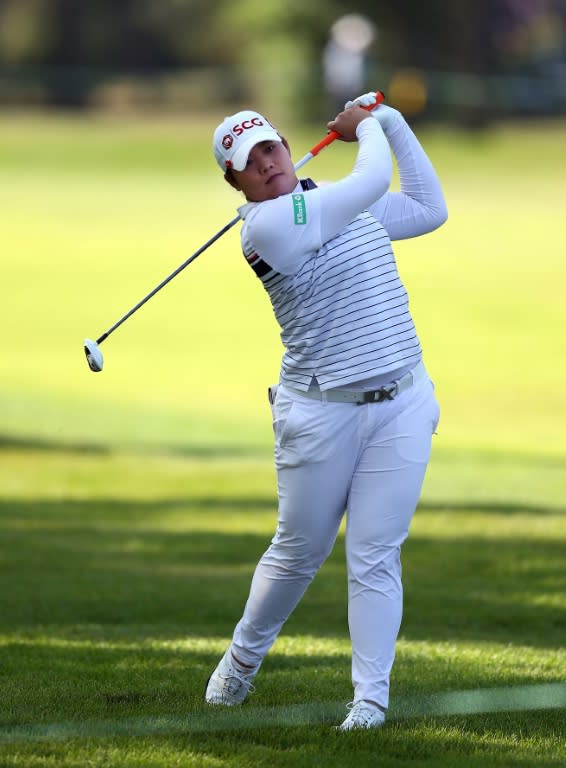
469,62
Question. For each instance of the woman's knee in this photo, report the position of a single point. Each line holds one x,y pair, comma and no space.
296,557
378,568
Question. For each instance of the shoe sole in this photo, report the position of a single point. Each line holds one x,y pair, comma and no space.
205,688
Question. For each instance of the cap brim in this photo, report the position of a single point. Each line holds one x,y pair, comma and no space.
240,156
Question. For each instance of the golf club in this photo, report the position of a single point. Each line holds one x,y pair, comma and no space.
92,351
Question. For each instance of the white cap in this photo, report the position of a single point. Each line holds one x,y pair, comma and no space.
237,135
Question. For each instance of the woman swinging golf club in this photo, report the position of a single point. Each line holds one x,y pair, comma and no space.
354,410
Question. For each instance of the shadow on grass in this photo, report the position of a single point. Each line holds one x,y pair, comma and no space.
529,698
491,508
107,561
117,509
81,447
235,450
21,443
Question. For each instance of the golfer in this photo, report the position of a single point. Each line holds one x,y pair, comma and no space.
354,410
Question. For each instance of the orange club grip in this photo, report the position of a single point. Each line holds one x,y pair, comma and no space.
333,135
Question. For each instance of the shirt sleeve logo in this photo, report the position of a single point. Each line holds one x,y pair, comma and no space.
299,209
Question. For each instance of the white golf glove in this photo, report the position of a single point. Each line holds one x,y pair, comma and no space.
361,101
386,116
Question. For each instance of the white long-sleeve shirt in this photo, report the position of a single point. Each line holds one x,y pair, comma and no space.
325,258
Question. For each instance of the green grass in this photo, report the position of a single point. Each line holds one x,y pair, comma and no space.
127,572
134,504
99,212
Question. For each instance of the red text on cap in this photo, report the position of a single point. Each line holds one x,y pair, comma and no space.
239,128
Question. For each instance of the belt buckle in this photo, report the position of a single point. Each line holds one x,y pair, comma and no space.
378,395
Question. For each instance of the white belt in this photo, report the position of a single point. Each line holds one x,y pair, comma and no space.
387,392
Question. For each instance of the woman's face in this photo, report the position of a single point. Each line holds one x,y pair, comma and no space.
268,174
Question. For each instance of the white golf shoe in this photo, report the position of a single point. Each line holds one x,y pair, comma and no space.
362,715
227,685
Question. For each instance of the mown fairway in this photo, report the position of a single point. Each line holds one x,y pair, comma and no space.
134,503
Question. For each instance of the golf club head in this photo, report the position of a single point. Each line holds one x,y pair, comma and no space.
93,355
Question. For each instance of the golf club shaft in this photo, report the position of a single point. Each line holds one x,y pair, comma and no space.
328,139
170,277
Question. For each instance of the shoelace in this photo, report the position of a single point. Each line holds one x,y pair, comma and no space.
233,681
360,713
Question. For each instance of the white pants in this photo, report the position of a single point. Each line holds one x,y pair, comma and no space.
371,460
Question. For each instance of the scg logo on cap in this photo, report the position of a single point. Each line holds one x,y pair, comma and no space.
239,128
237,134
